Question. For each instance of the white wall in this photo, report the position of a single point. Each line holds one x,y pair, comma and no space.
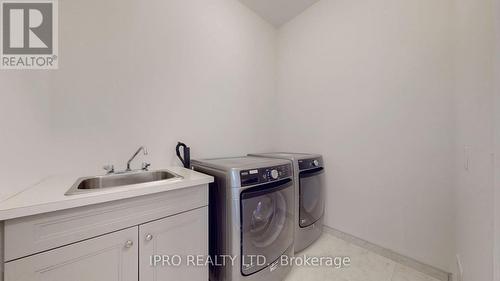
474,87
369,85
24,129
496,124
140,72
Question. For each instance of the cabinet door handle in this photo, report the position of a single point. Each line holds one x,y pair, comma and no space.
149,237
129,244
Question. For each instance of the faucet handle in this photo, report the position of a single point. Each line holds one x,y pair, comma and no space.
109,168
145,166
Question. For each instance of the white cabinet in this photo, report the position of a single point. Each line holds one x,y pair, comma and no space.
177,238
110,242
111,257
34,234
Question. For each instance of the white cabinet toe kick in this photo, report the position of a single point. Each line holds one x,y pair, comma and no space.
110,241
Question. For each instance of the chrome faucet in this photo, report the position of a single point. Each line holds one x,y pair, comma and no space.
144,150
110,169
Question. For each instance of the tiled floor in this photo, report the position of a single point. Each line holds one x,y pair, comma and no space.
365,265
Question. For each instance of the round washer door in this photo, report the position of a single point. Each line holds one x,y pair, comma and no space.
267,224
311,196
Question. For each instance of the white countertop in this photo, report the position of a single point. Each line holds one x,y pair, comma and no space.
48,195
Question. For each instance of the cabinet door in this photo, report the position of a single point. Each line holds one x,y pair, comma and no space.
111,257
180,235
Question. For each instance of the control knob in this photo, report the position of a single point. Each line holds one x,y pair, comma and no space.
274,174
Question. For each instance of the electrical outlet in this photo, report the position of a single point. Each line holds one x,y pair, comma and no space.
466,159
460,273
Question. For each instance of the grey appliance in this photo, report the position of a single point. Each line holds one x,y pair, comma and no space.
309,195
251,210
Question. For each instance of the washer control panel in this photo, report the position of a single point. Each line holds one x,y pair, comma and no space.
264,175
312,163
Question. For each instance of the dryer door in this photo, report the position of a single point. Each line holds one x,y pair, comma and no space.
311,196
267,224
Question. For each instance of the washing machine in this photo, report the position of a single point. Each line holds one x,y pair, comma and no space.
309,195
251,213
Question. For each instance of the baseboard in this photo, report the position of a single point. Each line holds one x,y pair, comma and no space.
404,260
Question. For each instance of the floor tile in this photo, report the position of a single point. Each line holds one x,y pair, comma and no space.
365,265
404,273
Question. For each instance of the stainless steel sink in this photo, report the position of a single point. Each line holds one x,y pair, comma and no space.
96,183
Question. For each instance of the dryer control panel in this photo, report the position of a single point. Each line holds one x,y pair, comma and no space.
312,163
264,175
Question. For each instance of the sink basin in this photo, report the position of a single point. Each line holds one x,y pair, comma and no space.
90,184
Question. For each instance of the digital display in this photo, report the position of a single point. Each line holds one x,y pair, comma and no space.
263,175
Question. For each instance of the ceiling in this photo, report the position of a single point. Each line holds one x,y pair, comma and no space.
278,12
